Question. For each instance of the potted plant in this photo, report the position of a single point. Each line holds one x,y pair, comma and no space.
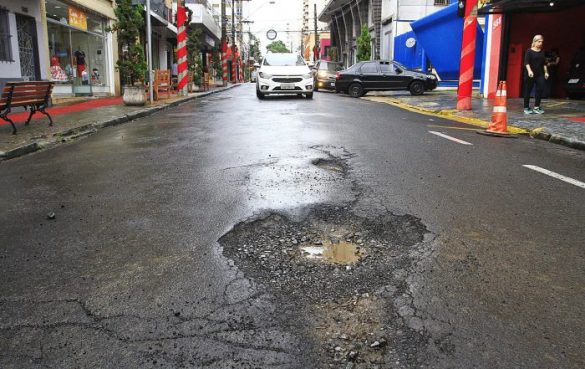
131,62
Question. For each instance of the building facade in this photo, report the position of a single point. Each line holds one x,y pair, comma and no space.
23,40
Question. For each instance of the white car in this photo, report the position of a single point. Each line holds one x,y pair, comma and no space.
284,73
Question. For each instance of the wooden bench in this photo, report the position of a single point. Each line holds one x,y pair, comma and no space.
162,83
205,81
33,95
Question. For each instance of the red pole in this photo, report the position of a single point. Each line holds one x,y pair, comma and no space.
182,49
467,56
224,63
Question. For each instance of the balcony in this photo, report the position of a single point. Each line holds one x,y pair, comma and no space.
205,16
160,10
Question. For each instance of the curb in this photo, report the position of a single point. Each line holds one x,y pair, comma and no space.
446,114
538,133
91,128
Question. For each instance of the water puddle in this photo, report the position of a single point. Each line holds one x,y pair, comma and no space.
336,253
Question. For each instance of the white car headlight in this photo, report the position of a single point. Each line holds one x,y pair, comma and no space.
265,75
308,75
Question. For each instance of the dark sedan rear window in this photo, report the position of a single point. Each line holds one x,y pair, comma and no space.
332,67
369,67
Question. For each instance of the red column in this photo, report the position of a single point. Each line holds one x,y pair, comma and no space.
182,50
224,63
467,56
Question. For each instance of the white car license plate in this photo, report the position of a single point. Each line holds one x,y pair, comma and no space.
574,80
287,86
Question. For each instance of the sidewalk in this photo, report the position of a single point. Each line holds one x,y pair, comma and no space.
563,121
71,121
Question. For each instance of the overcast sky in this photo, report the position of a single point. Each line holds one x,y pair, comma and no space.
275,16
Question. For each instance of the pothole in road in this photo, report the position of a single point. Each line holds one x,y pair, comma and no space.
338,276
332,165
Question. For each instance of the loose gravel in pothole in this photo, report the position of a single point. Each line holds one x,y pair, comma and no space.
338,278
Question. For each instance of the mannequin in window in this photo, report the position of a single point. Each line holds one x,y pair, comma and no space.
79,61
57,73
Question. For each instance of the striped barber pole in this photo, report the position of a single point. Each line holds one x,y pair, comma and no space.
234,80
182,50
467,56
224,63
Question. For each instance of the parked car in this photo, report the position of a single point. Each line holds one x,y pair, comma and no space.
324,72
284,73
381,75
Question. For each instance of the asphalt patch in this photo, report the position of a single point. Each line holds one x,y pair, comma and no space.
358,314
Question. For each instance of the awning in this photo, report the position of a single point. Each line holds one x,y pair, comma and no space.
532,6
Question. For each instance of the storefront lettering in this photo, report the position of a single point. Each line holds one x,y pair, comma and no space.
77,18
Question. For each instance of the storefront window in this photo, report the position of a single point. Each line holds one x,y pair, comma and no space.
77,44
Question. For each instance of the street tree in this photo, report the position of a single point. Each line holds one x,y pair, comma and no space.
364,45
277,47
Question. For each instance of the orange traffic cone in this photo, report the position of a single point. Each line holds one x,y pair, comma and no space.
499,125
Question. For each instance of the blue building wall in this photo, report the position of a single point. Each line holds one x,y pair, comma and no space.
440,35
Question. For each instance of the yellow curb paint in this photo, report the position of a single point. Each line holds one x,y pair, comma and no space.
467,120
550,105
535,131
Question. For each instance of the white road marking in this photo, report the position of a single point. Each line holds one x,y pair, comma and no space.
450,138
556,175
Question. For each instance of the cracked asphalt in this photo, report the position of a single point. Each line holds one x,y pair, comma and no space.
176,241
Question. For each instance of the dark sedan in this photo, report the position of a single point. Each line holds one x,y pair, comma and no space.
382,75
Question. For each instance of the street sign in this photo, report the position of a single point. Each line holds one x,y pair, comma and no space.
271,34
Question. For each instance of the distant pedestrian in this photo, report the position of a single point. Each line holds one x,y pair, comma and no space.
536,73
552,65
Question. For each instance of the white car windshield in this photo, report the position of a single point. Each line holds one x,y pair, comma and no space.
281,59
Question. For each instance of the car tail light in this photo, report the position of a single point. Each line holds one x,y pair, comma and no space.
337,75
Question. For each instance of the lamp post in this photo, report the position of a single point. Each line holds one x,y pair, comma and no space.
149,51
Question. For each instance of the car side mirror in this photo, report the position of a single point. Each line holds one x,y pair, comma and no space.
398,70
256,65
311,65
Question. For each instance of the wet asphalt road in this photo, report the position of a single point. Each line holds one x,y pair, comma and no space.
131,273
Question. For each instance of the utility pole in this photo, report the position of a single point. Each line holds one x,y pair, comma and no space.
149,51
234,77
223,43
317,52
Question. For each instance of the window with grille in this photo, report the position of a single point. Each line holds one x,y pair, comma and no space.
442,2
5,46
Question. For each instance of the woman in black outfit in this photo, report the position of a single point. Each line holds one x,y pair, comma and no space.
536,73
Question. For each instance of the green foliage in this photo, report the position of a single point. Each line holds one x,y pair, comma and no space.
364,45
332,53
216,62
277,47
255,52
128,25
194,61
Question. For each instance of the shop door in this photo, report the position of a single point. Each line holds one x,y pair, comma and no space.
26,32
81,63
515,70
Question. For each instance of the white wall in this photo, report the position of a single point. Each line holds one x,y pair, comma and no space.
12,69
402,12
